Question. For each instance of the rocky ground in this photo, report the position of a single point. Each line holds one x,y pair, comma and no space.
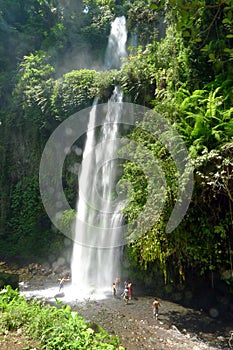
177,328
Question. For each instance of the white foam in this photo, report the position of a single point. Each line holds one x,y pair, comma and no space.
68,294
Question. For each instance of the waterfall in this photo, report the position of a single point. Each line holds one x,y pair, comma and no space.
96,252
116,49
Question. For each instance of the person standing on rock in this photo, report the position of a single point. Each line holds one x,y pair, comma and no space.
117,283
125,295
61,282
114,290
155,306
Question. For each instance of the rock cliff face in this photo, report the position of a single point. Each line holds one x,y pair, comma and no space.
19,162
34,275
25,229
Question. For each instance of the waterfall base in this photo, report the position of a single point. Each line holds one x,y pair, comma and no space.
68,294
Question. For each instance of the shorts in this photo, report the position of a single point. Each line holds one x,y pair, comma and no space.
156,312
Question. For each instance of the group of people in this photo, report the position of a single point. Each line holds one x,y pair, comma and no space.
127,293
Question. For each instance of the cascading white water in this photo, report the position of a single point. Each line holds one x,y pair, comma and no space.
96,251
116,49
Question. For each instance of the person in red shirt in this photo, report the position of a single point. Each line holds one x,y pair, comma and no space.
130,290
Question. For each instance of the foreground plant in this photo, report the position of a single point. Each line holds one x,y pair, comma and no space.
54,328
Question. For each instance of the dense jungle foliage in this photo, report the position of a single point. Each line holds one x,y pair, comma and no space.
52,65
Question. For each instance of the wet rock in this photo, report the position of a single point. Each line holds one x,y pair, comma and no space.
34,268
213,313
174,328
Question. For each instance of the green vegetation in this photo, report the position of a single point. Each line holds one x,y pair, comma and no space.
54,327
193,90
52,59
